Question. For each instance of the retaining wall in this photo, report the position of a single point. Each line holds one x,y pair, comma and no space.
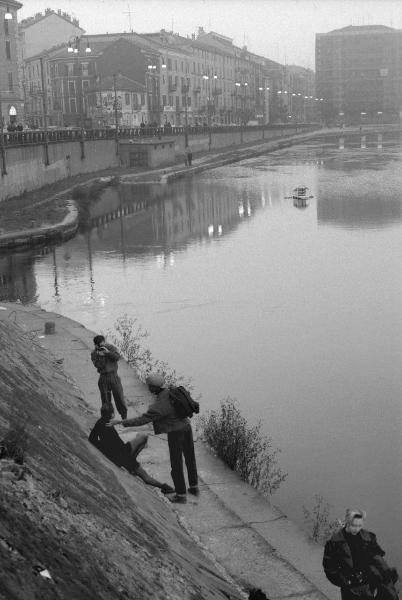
26,169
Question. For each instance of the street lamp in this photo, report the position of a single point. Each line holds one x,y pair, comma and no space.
206,78
185,90
116,120
2,151
74,48
7,17
263,90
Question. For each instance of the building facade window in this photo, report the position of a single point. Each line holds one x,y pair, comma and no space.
127,98
10,82
6,27
8,50
71,88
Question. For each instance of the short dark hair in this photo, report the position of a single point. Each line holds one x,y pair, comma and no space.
98,339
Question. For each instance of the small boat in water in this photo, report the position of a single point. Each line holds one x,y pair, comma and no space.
300,192
300,197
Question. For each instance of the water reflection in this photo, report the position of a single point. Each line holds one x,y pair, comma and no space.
17,277
143,219
352,211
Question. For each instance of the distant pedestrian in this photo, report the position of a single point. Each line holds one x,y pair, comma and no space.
105,358
189,155
354,561
179,433
108,441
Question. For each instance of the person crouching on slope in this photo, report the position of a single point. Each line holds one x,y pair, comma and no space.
108,441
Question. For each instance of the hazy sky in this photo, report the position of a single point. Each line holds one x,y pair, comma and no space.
283,30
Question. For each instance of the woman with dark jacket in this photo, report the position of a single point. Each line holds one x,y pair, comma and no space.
354,561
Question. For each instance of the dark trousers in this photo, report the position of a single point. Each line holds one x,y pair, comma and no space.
181,444
109,383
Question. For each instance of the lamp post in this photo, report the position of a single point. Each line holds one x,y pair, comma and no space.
206,78
74,48
44,100
116,120
263,90
238,85
7,17
2,151
185,91
151,95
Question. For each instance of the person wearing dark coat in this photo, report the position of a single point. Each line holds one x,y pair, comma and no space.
354,562
179,434
108,441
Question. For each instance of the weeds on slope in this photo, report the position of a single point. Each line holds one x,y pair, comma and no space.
128,336
320,524
243,447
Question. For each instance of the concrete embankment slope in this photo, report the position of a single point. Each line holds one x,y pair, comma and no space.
252,541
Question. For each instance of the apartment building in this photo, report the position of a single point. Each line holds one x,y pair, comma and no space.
168,78
359,74
11,102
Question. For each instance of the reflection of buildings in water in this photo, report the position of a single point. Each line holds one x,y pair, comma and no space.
200,211
17,277
170,215
368,210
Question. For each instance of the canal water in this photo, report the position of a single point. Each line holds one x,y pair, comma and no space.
295,311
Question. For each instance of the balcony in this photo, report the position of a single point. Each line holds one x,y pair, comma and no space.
172,87
217,92
197,89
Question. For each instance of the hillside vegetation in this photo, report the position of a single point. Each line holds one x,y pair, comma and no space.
72,525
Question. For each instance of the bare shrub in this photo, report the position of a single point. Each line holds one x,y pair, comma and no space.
319,521
243,447
128,337
15,443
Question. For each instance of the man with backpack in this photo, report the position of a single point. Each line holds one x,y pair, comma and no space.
167,415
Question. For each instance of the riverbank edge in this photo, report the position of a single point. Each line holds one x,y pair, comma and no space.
67,228
252,540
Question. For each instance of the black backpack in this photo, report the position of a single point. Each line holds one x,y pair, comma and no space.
182,402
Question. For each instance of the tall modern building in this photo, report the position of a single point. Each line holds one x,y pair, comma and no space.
359,74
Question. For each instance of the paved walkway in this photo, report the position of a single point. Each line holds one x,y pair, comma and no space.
257,545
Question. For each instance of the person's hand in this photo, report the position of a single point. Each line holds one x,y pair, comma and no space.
113,422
